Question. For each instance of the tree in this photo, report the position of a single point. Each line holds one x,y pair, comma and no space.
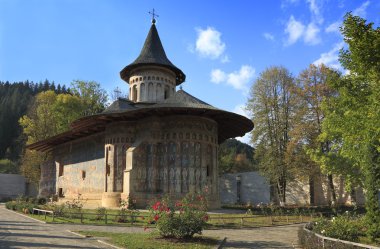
271,105
311,90
353,116
49,115
235,156
93,96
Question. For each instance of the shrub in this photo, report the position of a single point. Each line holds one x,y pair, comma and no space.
179,220
344,227
100,213
74,207
127,208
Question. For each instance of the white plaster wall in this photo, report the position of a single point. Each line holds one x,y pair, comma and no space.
254,188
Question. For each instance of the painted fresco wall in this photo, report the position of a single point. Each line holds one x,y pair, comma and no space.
80,168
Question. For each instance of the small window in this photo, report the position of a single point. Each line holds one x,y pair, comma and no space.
60,192
83,174
141,78
60,169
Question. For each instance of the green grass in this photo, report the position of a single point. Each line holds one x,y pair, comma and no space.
152,240
215,221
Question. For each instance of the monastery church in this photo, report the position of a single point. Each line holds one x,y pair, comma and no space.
158,142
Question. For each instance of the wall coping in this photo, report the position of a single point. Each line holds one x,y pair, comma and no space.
339,240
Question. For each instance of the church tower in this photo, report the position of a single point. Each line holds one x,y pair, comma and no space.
152,77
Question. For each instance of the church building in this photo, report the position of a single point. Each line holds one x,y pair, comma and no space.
160,141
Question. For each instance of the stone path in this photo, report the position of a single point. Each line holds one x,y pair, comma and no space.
17,231
20,232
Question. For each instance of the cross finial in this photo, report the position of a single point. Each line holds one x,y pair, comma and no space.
154,15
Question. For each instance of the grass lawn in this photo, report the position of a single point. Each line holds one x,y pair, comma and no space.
215,221
151,240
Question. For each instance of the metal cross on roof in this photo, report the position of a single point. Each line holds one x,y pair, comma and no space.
154,15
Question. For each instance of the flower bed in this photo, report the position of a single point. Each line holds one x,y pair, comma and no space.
311,240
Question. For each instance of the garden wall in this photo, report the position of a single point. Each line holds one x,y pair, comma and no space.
310,240
12,185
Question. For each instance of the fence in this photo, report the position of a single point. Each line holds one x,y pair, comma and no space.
311,240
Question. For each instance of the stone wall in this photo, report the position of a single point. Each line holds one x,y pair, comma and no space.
12,185
254,188
79,168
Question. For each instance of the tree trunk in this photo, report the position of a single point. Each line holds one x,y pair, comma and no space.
311,190
332,189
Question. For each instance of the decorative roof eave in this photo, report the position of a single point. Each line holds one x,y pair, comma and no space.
229,124
126,72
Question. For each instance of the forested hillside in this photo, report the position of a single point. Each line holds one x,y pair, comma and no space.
235,156
15,98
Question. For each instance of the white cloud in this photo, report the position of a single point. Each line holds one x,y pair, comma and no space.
240,79
209,43
294,29
268,36
333,27
311,34
331,57
297,30
218,76
362,10
240,109
237,79
315,10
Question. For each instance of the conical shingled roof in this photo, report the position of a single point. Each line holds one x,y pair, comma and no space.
153,53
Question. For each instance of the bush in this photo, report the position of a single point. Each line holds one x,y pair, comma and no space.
344,227
180,220
100,213
127,208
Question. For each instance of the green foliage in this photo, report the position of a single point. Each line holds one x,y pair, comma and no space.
100,213
353,115
344,227
15,98
235,156
127,209
93,97
22,204
8,167
271,105
179,220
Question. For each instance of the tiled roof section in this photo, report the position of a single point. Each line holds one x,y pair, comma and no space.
120,105
184,99
153,53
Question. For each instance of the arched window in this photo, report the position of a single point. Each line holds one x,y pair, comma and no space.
166,93
150,91
134,93
142,92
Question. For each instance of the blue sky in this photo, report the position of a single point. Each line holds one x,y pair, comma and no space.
221,46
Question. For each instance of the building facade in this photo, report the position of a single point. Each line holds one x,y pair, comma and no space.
158,142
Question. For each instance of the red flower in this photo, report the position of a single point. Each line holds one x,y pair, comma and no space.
156,205
178,204
205,218
156,217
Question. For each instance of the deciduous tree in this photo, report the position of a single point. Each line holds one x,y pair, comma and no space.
271,106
